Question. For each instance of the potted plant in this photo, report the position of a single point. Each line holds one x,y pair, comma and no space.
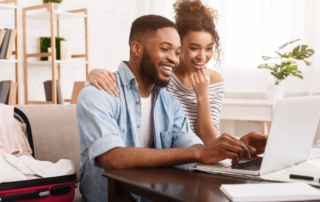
56,3
284,65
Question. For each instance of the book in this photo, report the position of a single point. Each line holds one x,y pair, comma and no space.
48,91
11,100
4,46
2,33
4,92
10,44
77,86
270,192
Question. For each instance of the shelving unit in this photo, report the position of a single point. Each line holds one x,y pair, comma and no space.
13,5
54,17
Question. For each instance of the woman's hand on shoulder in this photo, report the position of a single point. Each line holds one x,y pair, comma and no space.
200,81
102,78
215,77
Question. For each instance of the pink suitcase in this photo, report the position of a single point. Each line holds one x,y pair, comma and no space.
58,189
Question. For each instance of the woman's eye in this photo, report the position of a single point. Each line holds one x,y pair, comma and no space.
164,49
209,49
178,53
194,49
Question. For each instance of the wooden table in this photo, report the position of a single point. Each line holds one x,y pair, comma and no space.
168,184
258,111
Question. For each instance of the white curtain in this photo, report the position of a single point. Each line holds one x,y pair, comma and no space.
249,29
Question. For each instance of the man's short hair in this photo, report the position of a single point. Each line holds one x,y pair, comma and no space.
147,26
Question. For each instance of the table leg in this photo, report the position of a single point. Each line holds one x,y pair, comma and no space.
264,126
116,194
111,190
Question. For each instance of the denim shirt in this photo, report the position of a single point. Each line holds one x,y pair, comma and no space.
106,122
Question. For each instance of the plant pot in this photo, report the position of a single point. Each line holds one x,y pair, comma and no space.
275,92
55,6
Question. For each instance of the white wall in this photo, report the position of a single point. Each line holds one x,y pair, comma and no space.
109,23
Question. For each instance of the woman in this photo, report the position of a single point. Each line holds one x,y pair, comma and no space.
199,90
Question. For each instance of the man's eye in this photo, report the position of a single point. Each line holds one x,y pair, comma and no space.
178,53
164,49
194,49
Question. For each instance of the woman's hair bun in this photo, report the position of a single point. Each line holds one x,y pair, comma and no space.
184,8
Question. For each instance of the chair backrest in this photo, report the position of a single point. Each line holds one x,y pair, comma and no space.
54,132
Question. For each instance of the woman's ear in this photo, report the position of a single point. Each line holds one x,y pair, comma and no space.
136,49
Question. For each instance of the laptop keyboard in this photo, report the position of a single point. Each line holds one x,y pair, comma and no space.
253,165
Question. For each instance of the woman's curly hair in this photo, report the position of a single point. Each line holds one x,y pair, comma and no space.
192,15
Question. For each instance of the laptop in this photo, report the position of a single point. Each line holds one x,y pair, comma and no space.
289,143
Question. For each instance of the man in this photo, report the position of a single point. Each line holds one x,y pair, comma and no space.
144,126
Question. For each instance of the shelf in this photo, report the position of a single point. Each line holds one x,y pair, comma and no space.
57,62
59,15
7,7
7,61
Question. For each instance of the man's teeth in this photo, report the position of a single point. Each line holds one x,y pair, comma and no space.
166,67
199,64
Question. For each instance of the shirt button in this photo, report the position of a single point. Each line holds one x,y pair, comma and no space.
133,82
129,88
136,198
138,126
123,130
169,133
137,103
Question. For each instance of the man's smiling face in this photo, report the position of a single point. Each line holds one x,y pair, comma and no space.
160,56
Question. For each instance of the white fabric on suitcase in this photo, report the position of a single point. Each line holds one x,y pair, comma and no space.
9,173
8,139
28,167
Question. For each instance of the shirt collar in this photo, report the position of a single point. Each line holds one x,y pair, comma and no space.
125,73
127,76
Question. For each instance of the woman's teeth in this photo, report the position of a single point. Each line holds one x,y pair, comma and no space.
166,67
199,64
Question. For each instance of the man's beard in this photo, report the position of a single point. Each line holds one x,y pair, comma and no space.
150,70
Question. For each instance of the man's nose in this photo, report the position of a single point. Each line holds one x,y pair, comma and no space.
173,57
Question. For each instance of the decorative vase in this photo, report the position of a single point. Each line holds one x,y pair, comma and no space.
55,6
65,50
275,92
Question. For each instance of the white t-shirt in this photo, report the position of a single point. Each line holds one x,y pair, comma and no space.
146,133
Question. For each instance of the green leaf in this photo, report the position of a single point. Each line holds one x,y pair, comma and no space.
266,57
264,66
307,63
287,55
278,53
294,67
290,42
301,52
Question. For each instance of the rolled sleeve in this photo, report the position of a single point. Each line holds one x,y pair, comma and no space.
187,140
98,127
102,146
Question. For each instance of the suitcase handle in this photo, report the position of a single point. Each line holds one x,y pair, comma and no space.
40,193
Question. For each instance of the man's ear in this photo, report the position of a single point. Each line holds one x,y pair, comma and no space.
136,49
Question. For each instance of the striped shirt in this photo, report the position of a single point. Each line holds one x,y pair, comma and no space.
188,99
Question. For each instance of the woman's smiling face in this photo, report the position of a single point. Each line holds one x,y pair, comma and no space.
196,49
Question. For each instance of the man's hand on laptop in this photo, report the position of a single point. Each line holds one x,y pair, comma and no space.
256,143
224,147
